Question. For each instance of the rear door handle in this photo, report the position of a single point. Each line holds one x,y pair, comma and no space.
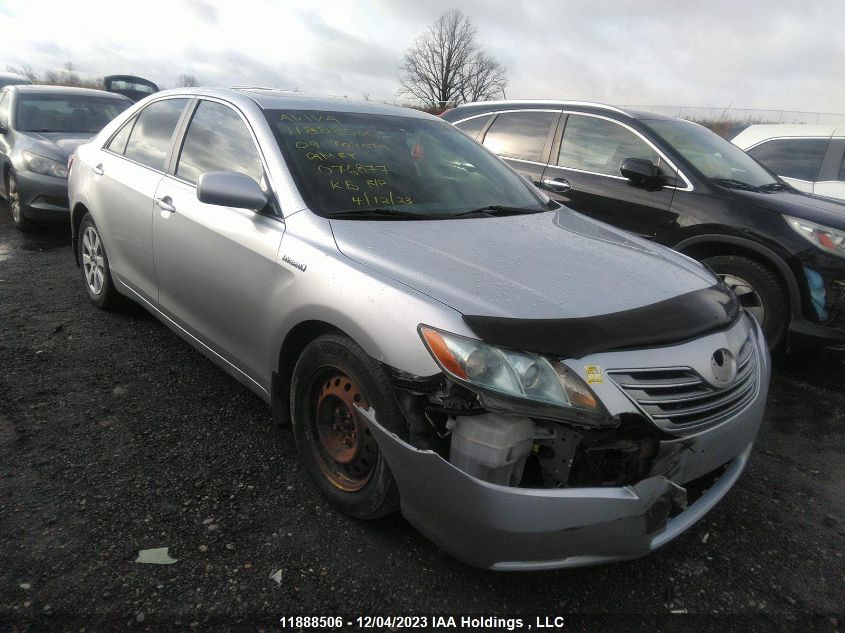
98,169
165,204
557,184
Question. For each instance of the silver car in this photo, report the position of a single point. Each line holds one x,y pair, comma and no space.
533,388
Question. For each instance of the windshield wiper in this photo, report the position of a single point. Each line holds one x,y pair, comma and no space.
775,186
497,210
383,214
734,184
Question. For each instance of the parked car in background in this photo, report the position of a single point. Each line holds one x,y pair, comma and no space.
135,88
13,79
681,185
39,128
539,389
811,158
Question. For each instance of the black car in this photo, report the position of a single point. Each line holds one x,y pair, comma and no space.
678,183
40,126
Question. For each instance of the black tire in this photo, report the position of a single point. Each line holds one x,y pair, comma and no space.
101,292
21,222
771,295
363,495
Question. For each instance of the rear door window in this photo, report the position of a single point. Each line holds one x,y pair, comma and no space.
472,127
153,130
799,158
118,142
599,146
218,140
520,135
4,109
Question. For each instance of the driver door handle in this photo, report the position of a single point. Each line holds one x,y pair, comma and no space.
557,184
98,169
165,204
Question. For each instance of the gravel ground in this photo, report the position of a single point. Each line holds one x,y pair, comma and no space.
116,436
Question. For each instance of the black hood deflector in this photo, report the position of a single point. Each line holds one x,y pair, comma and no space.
670,321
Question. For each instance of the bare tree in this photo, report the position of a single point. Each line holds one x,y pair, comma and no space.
446,66
482,79
187,81
25,70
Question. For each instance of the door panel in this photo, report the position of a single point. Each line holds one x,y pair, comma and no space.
591,152
830,189
131,172
125,200
217,273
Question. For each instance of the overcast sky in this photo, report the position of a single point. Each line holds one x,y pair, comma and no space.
759,54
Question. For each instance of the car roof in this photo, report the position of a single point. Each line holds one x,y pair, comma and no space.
273,99
68,90
466,110
5,75
759,132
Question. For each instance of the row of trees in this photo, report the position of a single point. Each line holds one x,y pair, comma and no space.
68,76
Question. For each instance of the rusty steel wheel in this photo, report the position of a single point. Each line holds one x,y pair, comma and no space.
346,451
333,379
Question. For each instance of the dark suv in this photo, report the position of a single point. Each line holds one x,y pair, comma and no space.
678,183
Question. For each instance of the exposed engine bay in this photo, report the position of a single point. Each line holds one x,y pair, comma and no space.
523,451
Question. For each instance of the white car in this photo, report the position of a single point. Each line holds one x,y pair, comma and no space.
811,158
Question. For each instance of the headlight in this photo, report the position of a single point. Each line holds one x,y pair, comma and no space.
46,166
522,375
826,238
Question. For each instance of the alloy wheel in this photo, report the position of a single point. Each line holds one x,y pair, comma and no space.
93,261
14,199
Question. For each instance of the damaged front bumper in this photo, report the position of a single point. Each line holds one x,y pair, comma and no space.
509,528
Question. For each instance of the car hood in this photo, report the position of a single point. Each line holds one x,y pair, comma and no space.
552,265
800,205
58,145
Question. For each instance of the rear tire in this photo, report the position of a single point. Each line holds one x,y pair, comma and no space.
21,222
94,266
332,376
759,290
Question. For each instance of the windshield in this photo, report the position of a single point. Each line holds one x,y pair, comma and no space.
712,155
66,113
356,165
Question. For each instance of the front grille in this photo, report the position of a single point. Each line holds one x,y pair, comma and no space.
678,398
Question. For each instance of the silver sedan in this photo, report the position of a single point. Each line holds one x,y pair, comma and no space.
534,389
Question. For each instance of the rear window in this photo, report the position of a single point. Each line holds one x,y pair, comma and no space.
799,158
347,162
66,113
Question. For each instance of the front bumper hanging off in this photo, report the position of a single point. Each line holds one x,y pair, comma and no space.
509,528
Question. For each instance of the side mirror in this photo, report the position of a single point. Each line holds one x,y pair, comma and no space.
639,170
3,128
230,189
